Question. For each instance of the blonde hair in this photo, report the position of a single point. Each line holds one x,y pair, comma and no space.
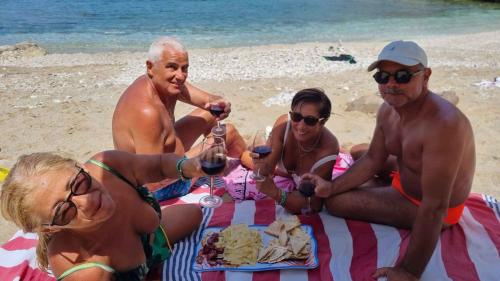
16,202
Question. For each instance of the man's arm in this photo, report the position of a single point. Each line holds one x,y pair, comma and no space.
199,98
368,164
196,96
441,157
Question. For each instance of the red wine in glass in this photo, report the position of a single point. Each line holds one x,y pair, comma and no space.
261,145
216,110
306,188
213,168
212,161
262,150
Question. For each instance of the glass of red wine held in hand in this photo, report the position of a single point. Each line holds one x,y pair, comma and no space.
213,162
217,109
261,146
306,188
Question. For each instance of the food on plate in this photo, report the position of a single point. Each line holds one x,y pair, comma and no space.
291,242
211,252
240,244
274,228
235,245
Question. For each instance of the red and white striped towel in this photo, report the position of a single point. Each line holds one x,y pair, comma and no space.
347,250
352,250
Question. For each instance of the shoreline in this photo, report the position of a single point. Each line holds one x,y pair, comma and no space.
232,63
64,102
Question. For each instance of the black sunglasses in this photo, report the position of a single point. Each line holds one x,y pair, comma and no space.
309,120
66,210
401,76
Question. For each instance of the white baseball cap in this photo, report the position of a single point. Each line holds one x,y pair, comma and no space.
402,52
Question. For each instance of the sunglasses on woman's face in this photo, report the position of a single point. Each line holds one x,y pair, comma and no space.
401,76
66,210
309,120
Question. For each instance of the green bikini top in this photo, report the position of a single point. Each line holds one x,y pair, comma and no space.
155,253
137,274
143,191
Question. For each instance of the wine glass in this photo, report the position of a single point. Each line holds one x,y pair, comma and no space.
216,110
213,162
306,189
261,146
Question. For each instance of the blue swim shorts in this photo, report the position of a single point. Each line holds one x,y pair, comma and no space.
176,189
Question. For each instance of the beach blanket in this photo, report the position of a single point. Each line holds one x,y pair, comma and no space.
240,185
348,250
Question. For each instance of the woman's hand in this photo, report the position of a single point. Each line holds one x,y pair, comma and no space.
261,165
267,187
192,167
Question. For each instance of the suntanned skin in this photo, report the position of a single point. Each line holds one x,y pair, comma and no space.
384,176
434,145
111,215
294,159
144,121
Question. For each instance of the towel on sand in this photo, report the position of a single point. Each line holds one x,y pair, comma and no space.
241,186
349,250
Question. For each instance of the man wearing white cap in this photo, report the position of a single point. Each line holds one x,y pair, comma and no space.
434,145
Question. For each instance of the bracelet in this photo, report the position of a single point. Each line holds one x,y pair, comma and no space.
178,166
283,196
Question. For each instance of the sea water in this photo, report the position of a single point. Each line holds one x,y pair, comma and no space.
113,25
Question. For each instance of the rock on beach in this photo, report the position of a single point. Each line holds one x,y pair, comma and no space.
23,49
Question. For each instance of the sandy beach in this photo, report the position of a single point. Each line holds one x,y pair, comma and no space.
64,102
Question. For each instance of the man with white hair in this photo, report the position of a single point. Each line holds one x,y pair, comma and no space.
144,121
434,146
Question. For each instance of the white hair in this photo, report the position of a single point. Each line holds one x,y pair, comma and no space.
160,44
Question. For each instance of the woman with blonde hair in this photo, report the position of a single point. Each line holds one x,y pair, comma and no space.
96,221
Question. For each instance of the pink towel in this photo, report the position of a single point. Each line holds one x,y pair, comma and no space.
240,185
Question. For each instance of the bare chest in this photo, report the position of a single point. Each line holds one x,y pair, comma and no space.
406,143
168,134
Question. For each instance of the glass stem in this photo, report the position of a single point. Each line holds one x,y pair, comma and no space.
218,123
211,186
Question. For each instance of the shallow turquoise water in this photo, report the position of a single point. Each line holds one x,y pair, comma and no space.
96,25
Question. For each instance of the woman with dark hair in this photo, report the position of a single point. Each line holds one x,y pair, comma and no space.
300,144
